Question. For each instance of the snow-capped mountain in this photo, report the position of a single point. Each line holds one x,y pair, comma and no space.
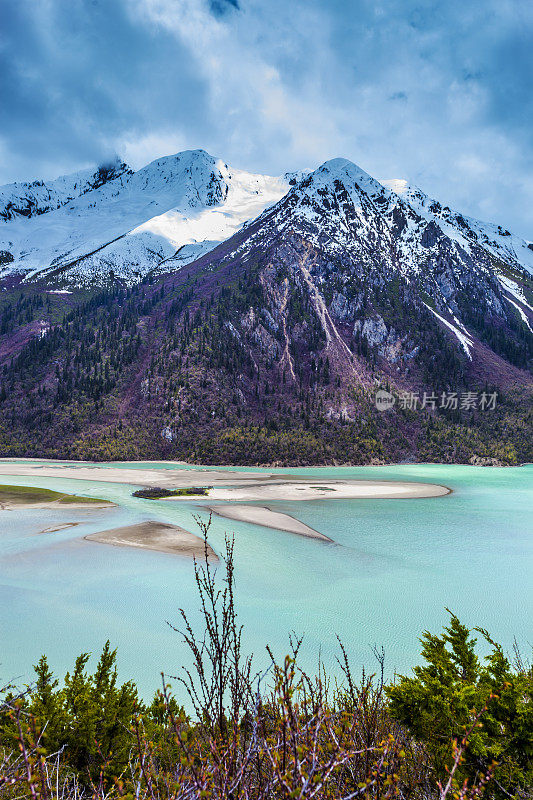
170,212
393,209
388,231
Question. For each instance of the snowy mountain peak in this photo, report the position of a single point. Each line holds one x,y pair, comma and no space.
112,223
338,199
350,175
342,167
192,179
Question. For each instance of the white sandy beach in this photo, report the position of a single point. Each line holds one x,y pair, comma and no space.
305,489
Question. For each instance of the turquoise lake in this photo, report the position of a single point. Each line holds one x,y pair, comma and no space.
394,568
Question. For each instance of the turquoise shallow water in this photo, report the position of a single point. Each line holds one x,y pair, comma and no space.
395,567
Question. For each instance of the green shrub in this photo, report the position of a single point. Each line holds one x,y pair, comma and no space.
443,698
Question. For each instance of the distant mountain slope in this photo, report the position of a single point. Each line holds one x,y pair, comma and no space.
123,227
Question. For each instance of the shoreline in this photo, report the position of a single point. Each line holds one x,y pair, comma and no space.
275,465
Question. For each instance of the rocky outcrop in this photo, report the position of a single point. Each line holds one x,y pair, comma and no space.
373,329
485,461
431,234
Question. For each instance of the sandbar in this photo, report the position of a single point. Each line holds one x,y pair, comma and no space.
154,535
150,477
260,515
229,485
300,489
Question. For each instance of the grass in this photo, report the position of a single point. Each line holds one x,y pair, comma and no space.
72,498
31,495
201,490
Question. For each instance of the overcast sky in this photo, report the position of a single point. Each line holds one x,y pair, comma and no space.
437,92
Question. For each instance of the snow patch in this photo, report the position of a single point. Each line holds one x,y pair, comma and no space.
521,312
465,340
514,289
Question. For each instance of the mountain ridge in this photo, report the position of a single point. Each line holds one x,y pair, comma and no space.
159,223
30,198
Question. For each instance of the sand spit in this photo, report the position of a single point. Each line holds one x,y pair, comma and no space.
260,515
61,505
152,535
64,526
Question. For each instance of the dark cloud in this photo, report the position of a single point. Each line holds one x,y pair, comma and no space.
399,96
75,78
221,7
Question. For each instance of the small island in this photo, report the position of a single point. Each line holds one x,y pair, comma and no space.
159,492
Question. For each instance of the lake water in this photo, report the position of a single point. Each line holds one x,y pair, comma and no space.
394,568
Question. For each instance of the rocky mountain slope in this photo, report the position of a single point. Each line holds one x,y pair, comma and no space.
271,346
498,242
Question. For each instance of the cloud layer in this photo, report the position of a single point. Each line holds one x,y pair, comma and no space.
438,93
